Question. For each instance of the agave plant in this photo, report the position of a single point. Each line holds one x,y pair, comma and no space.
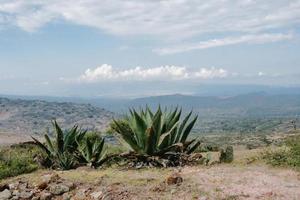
61,151
91,151
155,134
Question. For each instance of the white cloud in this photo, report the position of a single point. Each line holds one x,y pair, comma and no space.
176,18
257,39
106,72
211,73
261,74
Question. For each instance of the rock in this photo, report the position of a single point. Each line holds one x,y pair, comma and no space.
35,198
59,189
22,185
13,186
45,196
81,194
175,178
16,194
5,194
66,196
26,195
69,184
42,185
4,187
50,178
97,195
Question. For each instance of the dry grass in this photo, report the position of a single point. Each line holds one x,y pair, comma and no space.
238,180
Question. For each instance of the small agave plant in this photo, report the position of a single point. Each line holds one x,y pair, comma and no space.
92,151
61,151
158,133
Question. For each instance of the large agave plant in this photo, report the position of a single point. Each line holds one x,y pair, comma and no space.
61,151
156,134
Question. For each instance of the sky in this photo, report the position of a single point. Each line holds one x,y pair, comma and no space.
146,47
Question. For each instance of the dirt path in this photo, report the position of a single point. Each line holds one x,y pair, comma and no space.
250,182
219,182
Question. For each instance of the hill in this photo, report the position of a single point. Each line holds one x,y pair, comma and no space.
34,116
248,113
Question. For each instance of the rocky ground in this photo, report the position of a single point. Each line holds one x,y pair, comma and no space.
197,182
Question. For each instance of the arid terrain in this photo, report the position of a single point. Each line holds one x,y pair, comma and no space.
237,180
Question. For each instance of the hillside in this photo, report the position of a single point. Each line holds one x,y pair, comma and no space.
247,113
34,116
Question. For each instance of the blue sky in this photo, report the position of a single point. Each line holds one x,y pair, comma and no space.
100,48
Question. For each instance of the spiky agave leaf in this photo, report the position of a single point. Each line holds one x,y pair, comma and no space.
156,133
63,150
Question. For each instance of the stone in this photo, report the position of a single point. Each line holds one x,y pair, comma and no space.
26,194
5,194
16,194
45,196
70,184
81,194
59,189
174,179
67,196
50,178
35,198
22,185
96,195
13,186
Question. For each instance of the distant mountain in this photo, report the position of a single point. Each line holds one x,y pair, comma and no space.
249,113
34,116
247,105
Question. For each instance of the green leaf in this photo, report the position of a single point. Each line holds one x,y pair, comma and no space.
188,130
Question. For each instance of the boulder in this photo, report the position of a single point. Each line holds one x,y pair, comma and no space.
58,189
96,195
5,194
46,196
26,194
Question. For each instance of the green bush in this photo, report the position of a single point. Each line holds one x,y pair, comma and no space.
18,160
226,156
288,156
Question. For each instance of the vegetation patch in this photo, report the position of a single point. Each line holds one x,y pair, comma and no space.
286,156
17,160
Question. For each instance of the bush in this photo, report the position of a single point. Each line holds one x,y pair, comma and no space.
289,156
226,155
18,160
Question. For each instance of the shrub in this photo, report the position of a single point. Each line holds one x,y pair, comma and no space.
18,160
288,156
226,156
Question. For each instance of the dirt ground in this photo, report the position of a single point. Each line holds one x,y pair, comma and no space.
7,139
199,182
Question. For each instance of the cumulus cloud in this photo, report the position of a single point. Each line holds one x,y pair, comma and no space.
250,39
176,18
107,72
